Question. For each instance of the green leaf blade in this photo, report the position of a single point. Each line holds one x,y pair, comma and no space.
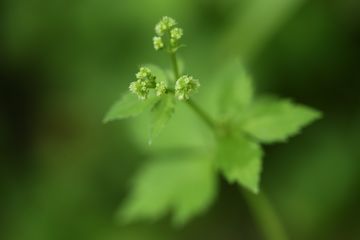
240,161
184,186
272,120
128,106
237,89
161,114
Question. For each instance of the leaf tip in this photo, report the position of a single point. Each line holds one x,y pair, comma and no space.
318,114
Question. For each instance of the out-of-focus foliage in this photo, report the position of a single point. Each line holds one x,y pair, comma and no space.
235,90
240,161
185,185
238,157
63,173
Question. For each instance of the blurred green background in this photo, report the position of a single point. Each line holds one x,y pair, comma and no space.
63,174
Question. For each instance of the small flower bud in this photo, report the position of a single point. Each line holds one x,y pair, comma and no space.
158,43
160,88
140,89
166,23
143,73
176,33
184,86
145,81
160,29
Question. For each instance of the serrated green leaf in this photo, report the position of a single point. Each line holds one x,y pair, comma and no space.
271,120
240,161
237,89
161,115
184,186
128,106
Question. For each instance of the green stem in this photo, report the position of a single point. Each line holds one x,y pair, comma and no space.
260,206
203,115
265,216
175,65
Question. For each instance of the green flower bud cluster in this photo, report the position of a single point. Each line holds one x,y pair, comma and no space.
158,43
175,35
166,30
165,24
184,86
145,81
160,88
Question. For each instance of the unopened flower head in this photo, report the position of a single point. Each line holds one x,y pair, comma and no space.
165,24
160,88
145,81
184,86
140,89
175,35
158,43
143,73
